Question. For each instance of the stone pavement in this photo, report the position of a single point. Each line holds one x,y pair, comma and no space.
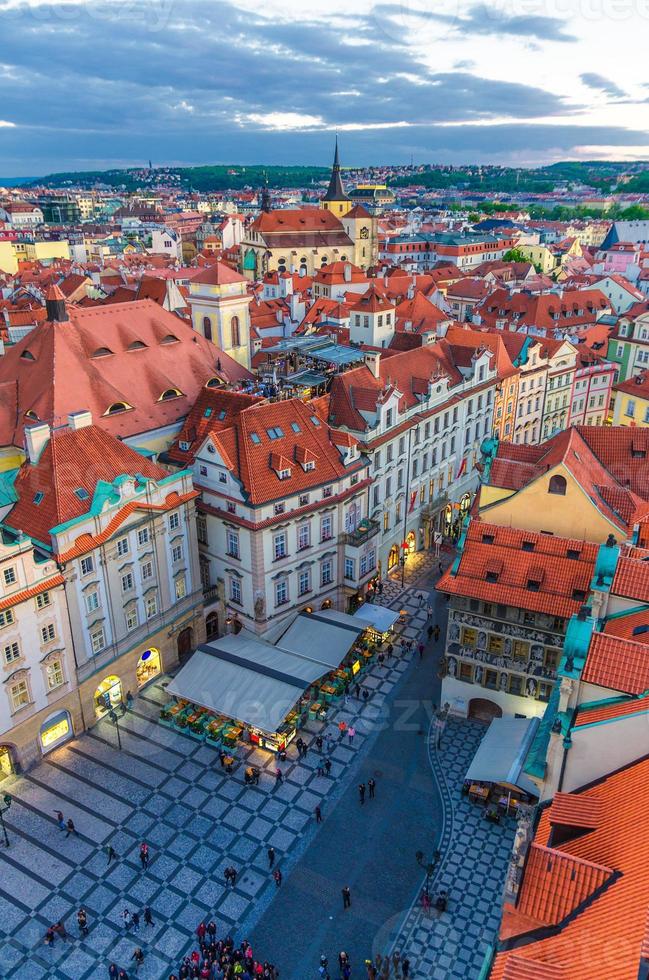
475,856
166,788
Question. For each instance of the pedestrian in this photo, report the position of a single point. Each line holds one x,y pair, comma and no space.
320,770
357,691
347,897
420,647
342,728
222,758
327,766
371,785
366,694
380,588
351,731
59,818
277,875
429,631
71,828
135,921
436,631
148,918
361,792
405,968
278,777
138,956
422,597
126,916
298,745
211,928
122,975
441,568
389,650
305,749
271,856
330,743
429,611
49,936
110,853
319,743
144,855
129,701
343,960
60,929
318,814
112,971
82,922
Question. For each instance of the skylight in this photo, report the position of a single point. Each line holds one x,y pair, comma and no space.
38,497
315,420
81,493
295,427
221,414
254,438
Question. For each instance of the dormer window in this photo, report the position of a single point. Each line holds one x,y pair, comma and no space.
491,577
309,465
533,585
116,408
284,474
488,539
579,594
184,446
169,339
100,352
169,394
528,546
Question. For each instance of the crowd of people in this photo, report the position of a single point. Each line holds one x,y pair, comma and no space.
220,959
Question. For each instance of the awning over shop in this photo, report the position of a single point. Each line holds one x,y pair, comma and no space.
324,637
245,678
502,753
378,617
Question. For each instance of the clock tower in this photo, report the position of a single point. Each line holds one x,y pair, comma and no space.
336,200
361,227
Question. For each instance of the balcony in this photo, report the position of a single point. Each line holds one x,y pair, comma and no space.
366,530
210,594
434,506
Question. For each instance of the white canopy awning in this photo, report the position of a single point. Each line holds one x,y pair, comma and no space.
245,678
325,637
378,617
502,752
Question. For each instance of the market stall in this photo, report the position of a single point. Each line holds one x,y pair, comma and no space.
495,777
378,619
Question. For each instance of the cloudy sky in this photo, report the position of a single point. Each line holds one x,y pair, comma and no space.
115,82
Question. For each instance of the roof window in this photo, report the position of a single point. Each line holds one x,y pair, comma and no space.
169,394
81,493
169,339
254,438
38,496
488,539
102,352
528,546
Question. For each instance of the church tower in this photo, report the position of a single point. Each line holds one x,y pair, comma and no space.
219,301
335,200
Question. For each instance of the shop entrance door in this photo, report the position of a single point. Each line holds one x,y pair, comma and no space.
7,766
108,695
185,644
148,666
393,557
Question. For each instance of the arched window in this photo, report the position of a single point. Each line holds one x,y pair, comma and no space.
235,333
117,407
169,393
558,485
212,625
207,328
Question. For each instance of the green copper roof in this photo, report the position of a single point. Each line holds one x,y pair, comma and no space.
535,762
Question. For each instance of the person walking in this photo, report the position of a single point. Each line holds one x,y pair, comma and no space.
361,792
429,611
277,875
351,731
135,921
271,856
405,968
319,743
112,971
429,631
342,728
347,897
318,814
148,918
441,568
278,777
129,701
110,854
436,632
126,917
389,650
327,766
138,956
420,647
144,855
82,922
201,929
59,819
122,975
71,828
329,744
371,785
60,929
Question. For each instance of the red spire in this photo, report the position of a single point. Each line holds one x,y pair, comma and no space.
55,305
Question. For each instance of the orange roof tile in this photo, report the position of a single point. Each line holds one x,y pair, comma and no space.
34,590
573,810
616,663
607,712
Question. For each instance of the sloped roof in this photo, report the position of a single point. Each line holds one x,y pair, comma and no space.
72,460
92,348
617,663
214,410
495,551
606,933
218,274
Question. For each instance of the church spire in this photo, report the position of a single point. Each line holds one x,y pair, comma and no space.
265,195
335,191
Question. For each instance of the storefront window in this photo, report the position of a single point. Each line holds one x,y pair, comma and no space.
393,557
469,637
496,644
466,673
108,695
148,666
55,730
6,761
520,650
491,679
515,684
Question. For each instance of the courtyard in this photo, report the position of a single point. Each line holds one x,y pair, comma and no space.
164,788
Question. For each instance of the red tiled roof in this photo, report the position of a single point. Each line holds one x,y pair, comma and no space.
617,663
34,590
558,580
631,579
573,810
373,301
148,351
218,274
214,409
556,883
72,460
606,934
607,712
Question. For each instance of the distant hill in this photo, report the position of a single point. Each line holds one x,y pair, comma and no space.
212,178
17,181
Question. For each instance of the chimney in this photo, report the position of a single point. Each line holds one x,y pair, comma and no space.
372,359
347,272
55,305
36,439
79,420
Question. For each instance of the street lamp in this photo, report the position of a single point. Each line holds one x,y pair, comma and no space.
3,810
112,714
403,560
